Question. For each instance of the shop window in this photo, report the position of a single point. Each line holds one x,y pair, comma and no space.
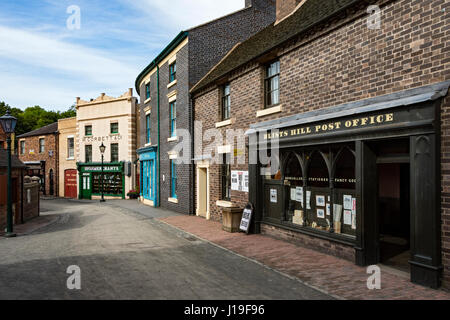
114,152
88,153
345,175
226,102
271,170
226,177
173,72
41,145
272,85
318,175
293,170
112,184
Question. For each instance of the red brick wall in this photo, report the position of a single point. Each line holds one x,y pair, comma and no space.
17,195
346,62
51,144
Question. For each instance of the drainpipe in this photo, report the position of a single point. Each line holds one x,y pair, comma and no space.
159,138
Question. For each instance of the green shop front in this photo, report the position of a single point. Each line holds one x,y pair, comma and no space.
91,184
360,179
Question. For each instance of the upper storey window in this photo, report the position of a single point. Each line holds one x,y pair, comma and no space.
272,85
173,72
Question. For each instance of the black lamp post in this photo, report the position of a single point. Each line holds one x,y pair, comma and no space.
8,124
102,151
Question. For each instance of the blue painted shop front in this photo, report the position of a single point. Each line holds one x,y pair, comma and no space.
149,191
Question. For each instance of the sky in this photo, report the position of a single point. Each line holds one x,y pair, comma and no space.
46,60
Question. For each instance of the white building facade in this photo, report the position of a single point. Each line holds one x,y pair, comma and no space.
112,122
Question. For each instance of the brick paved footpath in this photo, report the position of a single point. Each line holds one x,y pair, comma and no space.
335,276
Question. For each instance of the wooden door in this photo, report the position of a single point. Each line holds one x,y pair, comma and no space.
70,184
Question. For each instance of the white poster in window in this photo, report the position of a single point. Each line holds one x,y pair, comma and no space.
328,209
320,213
320,201
354,214
308,200
293,194
348,203
239,181
348,217
273,196
299,195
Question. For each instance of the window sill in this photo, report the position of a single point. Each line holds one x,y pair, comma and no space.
148,144
225,123
173,200
70,159
266,112
148,100
224,204
172,139
174,82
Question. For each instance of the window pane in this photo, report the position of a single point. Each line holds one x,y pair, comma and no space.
114,152
88,153
70,147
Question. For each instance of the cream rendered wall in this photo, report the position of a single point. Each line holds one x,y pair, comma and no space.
100,113
66,127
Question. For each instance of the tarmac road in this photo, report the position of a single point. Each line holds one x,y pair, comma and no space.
123,254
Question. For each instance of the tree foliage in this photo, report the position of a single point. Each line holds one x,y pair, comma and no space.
35,117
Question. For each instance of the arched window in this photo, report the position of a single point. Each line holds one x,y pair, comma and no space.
293,171
345,173
318,175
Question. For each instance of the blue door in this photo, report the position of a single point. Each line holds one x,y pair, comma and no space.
148,177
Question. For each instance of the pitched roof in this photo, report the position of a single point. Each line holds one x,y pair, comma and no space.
15,162
51,128
308,15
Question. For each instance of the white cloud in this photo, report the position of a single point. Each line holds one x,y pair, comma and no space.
185,14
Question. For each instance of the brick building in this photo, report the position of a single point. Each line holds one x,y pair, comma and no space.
166,116
25,194
346,121
39,149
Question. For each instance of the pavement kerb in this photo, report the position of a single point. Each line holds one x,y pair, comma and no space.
254,261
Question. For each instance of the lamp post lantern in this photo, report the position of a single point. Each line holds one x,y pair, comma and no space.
8,123
102,151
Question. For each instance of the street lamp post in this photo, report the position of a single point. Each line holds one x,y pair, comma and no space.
8,124
102,151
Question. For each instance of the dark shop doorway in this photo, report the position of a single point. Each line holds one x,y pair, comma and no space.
393,171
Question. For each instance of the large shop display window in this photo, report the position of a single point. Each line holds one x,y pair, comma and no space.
112,184
319,189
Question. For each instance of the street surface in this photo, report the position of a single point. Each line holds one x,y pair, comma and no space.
124,252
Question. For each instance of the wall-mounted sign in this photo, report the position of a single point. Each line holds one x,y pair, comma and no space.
239,181
360,122
116,137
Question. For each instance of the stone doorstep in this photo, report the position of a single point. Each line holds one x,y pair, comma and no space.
293,260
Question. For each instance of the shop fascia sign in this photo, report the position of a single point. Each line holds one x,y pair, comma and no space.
358,122
99,168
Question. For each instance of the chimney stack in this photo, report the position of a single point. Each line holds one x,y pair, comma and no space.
286,8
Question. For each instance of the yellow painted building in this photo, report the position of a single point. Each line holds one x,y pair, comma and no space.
67,162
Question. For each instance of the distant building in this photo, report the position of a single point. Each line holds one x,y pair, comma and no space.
111,121
67,162
38,149
25,194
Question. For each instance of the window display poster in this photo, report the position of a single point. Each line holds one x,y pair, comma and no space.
293,194
348,203
299,194
320,201
348,217
273,196
354,214
321,213
239,181
328,209
308,200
